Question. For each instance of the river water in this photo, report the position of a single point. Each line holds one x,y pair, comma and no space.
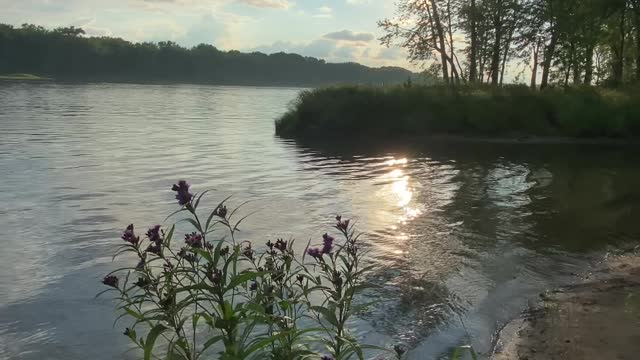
462,235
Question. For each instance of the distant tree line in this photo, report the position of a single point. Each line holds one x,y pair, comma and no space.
558,41
67,53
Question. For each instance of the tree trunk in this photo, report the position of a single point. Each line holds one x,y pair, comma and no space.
482,54
576,73
454,72
505,55
618,67
473,57
495,60
440,33
638,49
534,71
635,4
588,68
574,63
548,57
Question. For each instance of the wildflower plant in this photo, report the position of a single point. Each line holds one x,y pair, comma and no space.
213,294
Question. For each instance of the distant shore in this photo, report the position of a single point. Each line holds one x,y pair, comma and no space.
24,77
596,318
503,114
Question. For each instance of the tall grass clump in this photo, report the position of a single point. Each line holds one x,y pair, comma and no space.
482,111
211,294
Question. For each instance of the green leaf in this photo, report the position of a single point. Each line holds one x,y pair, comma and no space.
214,212
151,340
211,342
133,313
472,352
204,254
329,315
241,279
262,344
175,212
194,223
216,253
457,354
169,236
195,207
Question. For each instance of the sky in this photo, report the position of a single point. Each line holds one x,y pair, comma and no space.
334,30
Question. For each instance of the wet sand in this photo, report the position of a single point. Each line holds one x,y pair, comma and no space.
597,318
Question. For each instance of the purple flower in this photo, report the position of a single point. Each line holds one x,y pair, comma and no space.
129,236
189,257
194,240
168,266
154,249
221,211
248,251
326,358
142,282
111,281
281,245
328,243
315,253
141,264
224,251
215,276
182,192
154,235
342,225
254,286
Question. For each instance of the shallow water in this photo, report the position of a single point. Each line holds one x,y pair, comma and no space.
462,236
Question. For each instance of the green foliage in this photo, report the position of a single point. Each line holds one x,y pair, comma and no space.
65,53
216,295
511,111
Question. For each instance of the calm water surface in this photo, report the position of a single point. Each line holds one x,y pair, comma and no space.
462,236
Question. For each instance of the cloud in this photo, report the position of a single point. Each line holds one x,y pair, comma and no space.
274,4
348,35
391,53
323,12
319,48
208,30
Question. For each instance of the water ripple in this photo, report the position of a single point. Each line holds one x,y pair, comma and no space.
460,237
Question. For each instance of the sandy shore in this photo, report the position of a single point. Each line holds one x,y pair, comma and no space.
598,318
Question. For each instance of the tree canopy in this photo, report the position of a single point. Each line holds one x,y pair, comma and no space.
66,53
562,41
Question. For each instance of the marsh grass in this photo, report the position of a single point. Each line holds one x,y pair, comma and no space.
510,111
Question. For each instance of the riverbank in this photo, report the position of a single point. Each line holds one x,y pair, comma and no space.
512,112
23,77
598,318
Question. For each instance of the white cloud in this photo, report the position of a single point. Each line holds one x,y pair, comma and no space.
275,4
367,53
348,35
323,12
358,2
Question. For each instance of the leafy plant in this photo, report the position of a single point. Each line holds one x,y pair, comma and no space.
215,294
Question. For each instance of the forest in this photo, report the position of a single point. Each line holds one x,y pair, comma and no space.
579,42
507,68
68,54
